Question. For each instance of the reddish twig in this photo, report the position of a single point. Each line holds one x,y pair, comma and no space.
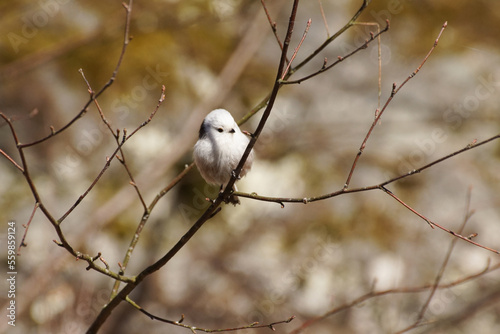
62,239
83,111
193,329
116,135
324,19
308,25
332,38
263,103
381,186
439,276
325,68
26,227
430,222
124,139
375,294
394,91
8,156
272,24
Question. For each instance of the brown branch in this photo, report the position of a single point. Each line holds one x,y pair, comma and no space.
83,111
116,135
272,24
62,239
124,139
432,223
306,200
193,329
374,294
394,91
274,93
143,222
308,25
325,22
453,321
325,68
26,227
98,177
213,208
262,104
381,186
8,156
439,276
332,38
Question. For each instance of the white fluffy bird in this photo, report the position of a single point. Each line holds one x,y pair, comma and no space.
219,149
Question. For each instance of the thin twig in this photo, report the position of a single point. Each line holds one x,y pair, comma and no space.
92,94
26,228
394,91
83,111
325,68
439,276
116,135
153,113
62,239
263,103
272,24
143,222
375,294
206,330
308,25
8,156
124,139
94,182
331,39
432,223
381,186
324,19
379,58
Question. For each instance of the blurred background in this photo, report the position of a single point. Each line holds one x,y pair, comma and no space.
256,261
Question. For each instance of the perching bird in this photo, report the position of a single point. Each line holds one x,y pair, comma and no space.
219,149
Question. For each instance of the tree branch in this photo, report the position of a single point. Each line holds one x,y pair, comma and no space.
213,209
193,329
83,111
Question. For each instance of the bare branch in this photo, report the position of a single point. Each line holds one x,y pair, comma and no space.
381,186
340,59
332,38
193,329
213,208
27,226
144,219
83,111
308,25
262,104
325,22
375,294
379,114
432,223
124,139
272,24
439,276
10,159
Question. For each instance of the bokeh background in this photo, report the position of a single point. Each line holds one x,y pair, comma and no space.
257,261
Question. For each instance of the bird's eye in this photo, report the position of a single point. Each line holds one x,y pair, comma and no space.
220,129
231,131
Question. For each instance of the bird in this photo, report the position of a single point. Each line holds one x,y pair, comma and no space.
219,149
